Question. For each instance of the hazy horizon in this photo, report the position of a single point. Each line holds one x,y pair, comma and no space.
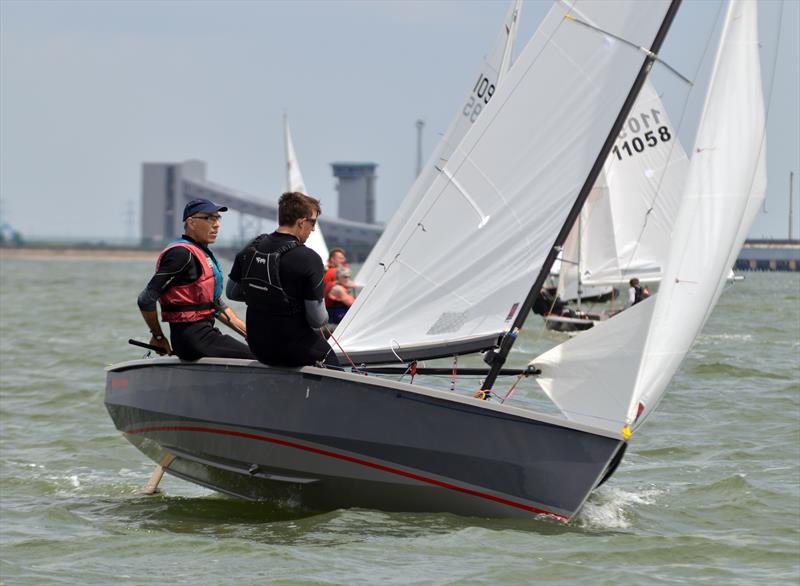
91,90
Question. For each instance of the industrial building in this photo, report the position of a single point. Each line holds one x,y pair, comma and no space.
167,187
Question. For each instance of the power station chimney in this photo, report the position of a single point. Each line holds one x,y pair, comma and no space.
356,187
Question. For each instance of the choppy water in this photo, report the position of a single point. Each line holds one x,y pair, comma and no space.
709,492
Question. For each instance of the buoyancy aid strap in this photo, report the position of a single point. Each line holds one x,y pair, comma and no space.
286,248
187,307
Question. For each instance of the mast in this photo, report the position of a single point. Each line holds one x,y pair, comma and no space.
286,150
791,185
580,250
420,126
496,359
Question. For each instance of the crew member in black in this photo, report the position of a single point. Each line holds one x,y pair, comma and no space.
636,293
281,281
188,283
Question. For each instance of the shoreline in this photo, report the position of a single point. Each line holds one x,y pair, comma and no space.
66,253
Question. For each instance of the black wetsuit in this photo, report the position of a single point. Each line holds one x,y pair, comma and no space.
284,339
190,340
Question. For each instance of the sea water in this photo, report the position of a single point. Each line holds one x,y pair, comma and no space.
708,493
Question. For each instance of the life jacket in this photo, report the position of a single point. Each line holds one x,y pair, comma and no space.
329,277
261,280
197,300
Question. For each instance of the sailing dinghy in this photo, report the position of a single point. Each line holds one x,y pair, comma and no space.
472,255
624,228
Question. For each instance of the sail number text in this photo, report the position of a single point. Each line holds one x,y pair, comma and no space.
641,124
481,94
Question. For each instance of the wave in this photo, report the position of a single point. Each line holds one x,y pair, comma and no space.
717,369
613,508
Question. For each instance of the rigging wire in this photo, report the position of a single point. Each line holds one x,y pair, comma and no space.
332,337
644,50
513,387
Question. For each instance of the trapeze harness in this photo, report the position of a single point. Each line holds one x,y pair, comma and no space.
261,280
197,300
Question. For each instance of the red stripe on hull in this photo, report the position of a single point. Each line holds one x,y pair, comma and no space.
381,467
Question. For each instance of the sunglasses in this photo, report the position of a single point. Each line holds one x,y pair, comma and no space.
312,221
211,218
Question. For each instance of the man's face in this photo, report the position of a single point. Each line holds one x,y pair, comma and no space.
204,227
338,259
307,226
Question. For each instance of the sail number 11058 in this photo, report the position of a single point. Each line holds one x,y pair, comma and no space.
649,138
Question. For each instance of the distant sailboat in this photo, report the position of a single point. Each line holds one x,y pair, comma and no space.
294,182
625,227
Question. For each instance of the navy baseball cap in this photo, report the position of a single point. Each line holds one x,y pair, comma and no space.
201,205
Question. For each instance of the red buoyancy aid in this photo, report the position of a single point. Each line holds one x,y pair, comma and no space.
329,276
197,297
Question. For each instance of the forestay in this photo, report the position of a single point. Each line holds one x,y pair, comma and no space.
464,261
490,74
294,182
620,369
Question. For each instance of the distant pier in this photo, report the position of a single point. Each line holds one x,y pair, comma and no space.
769,255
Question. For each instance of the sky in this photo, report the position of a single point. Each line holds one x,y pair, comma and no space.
91,90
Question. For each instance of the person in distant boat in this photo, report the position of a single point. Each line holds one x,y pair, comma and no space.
280,279
188,285
338,295
336,259
547,303
636,292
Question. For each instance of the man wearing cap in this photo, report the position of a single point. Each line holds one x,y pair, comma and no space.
188,284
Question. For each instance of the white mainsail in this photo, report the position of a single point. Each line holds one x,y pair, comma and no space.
460,267
491,72
634,356
625,225
294,182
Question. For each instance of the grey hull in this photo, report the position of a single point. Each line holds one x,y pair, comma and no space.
328,439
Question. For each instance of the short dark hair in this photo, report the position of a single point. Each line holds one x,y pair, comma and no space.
333,251
293,206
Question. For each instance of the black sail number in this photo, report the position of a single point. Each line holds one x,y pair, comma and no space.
481,94
645,129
